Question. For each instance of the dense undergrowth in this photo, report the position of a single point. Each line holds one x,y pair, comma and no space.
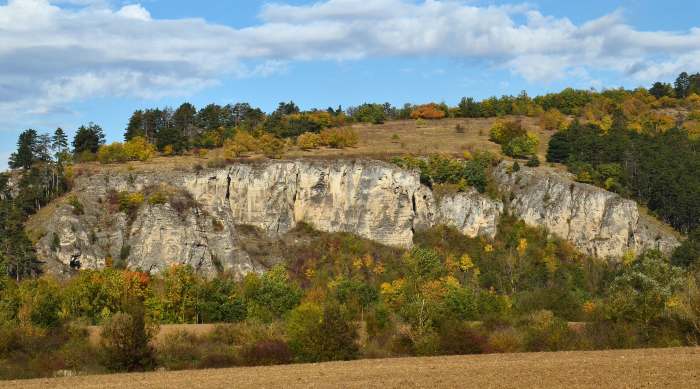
341,297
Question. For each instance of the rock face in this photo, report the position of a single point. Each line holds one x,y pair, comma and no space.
217,213
597,222
372,199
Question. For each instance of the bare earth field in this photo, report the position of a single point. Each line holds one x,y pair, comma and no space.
649,368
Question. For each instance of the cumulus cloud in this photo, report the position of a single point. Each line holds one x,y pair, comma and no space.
56,52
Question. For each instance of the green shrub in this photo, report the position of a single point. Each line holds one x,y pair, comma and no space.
462,303
74,202
514,140
125,342
321,334
446,170
521,147
533,161
271,295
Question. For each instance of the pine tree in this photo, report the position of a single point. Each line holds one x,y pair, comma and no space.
682,85
88,138
24,157
43,148
135,127
59,141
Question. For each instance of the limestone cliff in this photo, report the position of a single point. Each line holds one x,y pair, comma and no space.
211,216
597,222
372,199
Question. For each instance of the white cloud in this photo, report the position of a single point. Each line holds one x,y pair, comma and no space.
134,11
56,52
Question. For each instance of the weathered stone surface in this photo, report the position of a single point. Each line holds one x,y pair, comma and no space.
372,199
596,221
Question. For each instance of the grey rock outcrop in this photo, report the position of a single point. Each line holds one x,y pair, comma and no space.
231,209
372,199
597,222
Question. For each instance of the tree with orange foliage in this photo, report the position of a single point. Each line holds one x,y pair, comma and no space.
428,111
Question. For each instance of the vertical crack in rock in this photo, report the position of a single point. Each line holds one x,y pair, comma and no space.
228,185
414,215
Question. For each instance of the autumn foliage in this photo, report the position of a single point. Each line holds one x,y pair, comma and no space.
428,111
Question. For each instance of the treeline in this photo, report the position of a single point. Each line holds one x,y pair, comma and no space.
338,297
45,176
175,131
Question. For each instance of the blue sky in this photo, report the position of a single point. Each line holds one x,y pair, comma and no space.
68,62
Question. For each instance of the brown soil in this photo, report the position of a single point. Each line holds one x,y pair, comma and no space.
647,368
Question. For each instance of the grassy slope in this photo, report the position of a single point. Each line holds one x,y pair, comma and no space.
653,368
375,141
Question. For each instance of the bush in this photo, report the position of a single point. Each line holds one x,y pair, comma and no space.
309,141
503,131
74,202
458,338
521,147
553,120
446,170
545,332
267,352
271,295
246,141
233,149
533,161
138,149
125,342
462,303
506,340
271,146
129,203
245,333
428,111
339,138
179,351
158,198
113,153
514,140
321,334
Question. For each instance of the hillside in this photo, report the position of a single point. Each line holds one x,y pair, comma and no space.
315,236
654,368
